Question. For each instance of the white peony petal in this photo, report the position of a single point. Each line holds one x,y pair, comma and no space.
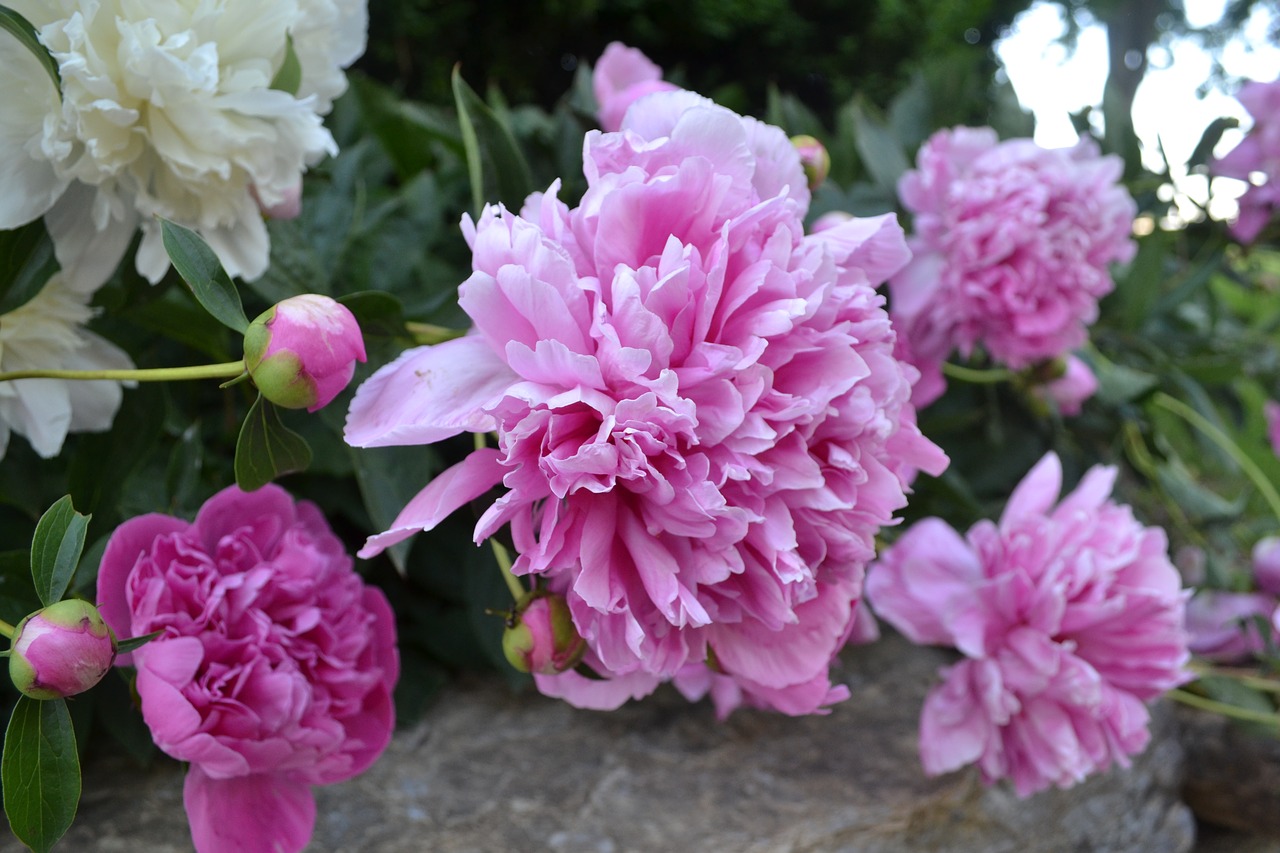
29,183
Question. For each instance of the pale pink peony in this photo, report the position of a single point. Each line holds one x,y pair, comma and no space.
1256,160
621,77
1069,391
275,664
1011,247
1070,617
700,421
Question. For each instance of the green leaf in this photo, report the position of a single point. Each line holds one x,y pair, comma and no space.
40,772
22,30
55,549
267,448
203,273
408,132
131,643
880,150
1209,140
289,76
26,264
495,163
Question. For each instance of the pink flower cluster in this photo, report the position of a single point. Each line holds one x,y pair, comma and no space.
275,664
700,422
1257,154
1069,618
1011,249
1224,624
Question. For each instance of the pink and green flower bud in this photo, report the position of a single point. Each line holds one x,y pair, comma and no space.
814,159
541,637
62,650
303,351
1266,564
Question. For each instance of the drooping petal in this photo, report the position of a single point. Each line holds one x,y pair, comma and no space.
259,813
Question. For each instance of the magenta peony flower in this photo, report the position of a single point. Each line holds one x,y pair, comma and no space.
302,351
1011,247
700,421
274,668
622,76
1256,160
1070,617
61,650
1069,391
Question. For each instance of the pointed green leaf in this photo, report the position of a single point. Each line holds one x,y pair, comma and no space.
880,150
40,772
131,643
55,549
1209,140
267,448
20,27
496,166
203,273
26,263
289,76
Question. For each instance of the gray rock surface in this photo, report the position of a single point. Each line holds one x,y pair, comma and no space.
488,771
1232,773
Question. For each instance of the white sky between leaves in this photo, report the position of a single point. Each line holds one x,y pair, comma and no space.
1052,83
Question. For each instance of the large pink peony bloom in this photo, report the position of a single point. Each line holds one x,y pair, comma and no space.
1070,617
1011,247
1256,160
274,668
700,421
621,77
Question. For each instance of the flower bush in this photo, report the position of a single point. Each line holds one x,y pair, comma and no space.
274,666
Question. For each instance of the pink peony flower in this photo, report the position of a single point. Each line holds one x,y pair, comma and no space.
1223,625
621,77
1011,247
700,421
61,650
1069,391
1256,160
1070,617
274,668
302,351
1271,411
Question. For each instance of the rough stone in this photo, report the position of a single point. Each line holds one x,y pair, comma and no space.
488,771
1232,773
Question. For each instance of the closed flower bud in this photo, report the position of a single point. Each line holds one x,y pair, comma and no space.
541,637
62,650
1266,564
302,351
813,158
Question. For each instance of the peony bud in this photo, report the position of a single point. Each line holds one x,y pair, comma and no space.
813,158
1068,384
287,206
1266,564
302,352
541,637
62,650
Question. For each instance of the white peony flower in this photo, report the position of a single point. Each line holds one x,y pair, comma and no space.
167,109
47,333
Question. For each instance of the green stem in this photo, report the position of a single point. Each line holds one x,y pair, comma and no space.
153,374
6,629
1196,701
1246,677
504,565
1218,437
989,376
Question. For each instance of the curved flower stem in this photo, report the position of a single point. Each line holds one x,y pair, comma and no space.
7,630
1248,678
1204,704
1218,437
988,376
153,374
430,333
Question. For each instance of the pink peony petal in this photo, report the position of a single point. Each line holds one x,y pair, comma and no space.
259,813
